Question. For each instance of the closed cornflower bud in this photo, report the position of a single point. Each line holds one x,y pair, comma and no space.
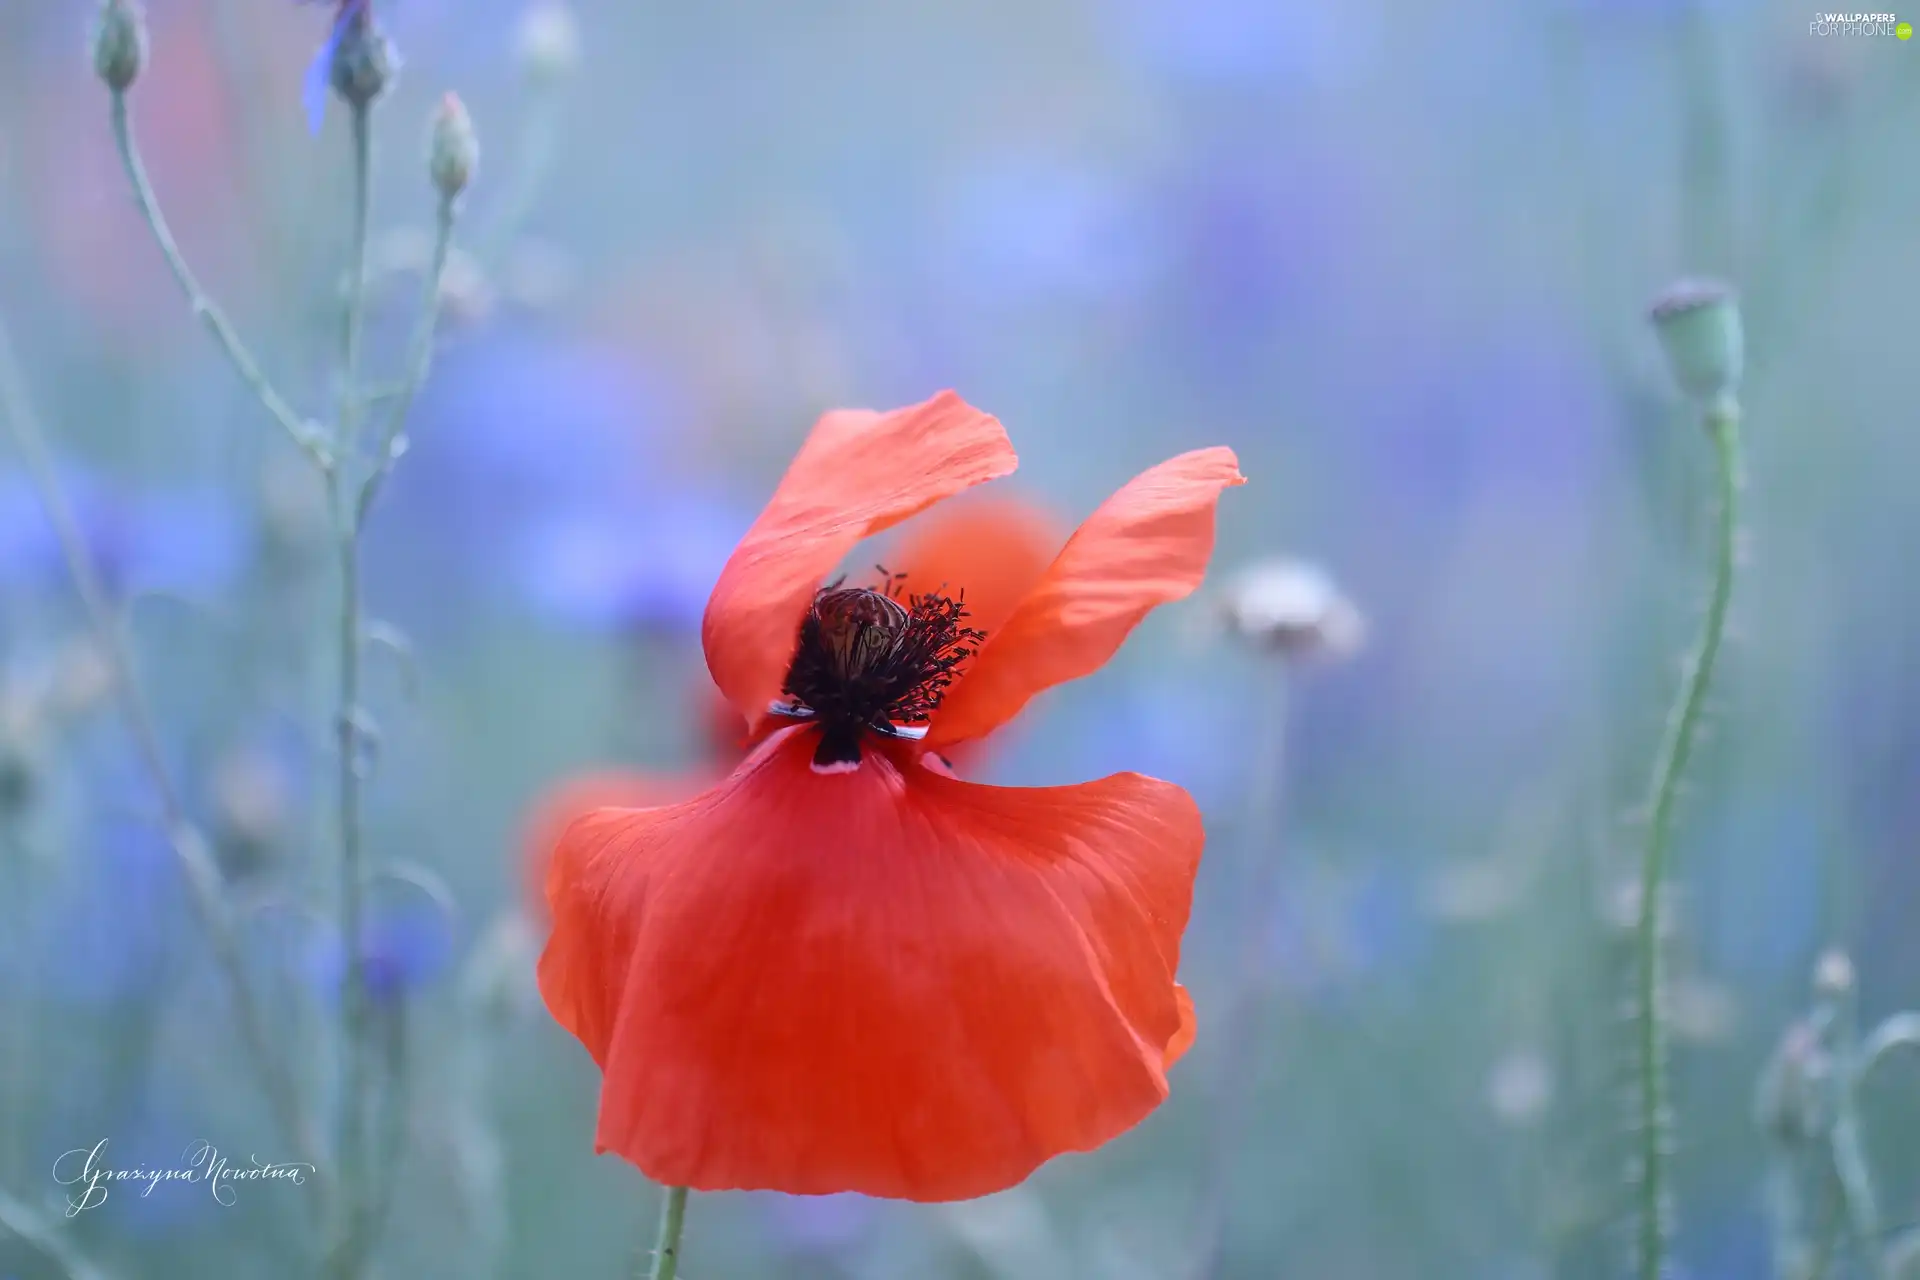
1698,322
119,43
454,150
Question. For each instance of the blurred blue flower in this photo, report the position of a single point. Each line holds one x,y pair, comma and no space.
1333,929
1027,227
114,915
1185,730
1528,410
1241,42
632,562
1255,234
514,432
814,1225
407,940
173,539
1764,853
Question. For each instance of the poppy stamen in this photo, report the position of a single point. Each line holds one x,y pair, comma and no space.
870,662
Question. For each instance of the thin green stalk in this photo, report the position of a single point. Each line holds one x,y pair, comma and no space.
1265,802
419,364
308,436
1676,748
352,1246
666,1248
206,889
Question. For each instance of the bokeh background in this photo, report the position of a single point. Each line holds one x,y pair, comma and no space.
1397,255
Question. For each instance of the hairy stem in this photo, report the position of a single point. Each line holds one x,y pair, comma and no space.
206,888
1676,748
306,435
666,1247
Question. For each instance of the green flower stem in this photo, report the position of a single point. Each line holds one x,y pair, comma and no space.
393,440
353,1244
308,436
666,1247
206,888
1722,421
1243,1024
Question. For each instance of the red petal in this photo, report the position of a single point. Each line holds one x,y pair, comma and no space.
991,549
886,981
858,473
558,807
1146,545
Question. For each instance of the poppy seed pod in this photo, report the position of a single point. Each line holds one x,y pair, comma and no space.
454,150
119,43
1698,322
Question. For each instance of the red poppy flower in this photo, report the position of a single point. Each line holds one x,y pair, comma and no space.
843,968
993,550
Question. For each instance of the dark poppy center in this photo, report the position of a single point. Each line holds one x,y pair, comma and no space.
869,661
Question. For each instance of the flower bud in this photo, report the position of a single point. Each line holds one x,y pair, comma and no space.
548,46
364,60
1698,322
454,150
119,43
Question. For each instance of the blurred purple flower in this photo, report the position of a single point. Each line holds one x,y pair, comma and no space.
406,942
184,540
815,1225
633,562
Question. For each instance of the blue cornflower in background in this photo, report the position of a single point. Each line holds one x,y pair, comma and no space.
1765,855
515,431
407,941
1184,730
188,540
817,1225
638,561
112,914
1247,43
1334,928
1027,227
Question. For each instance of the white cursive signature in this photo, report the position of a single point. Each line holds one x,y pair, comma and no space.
86,1171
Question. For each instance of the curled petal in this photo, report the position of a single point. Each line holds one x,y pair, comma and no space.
1148,544
858,473
887,981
